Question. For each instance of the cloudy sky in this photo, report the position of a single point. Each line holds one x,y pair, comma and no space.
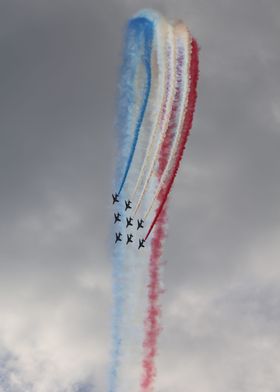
221,308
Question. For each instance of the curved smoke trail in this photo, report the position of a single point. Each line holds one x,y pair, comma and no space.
137,49
161,124
186,130
157,94
183,49
138,26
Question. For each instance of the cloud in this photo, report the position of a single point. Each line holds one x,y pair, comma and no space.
58,72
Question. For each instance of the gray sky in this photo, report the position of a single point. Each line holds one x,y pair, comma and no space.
58,71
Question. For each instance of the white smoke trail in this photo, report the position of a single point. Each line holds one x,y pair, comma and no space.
135,263
165,111
184,45
161,71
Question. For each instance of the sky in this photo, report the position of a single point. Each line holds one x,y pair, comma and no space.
221,318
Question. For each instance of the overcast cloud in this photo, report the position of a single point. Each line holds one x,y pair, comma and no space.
221,309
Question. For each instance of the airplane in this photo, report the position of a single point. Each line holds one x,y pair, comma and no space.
129,222
127,205
115,198
141,244
140,224
117,217
129,238
118,237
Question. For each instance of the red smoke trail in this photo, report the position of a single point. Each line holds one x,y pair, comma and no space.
187,126
152,322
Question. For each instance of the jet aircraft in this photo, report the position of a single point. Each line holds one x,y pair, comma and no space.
140,224
127,205
129,238
115,198
129,221
141,243
118,237
117,217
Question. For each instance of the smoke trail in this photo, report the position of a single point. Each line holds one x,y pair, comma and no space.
137,48
139,33
119,296
152,322
157,94
163,116
141,25
187,126
183,45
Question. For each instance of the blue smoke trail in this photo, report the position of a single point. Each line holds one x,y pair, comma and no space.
140,26
137,48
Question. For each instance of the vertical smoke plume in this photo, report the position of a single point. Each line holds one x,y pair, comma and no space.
156,102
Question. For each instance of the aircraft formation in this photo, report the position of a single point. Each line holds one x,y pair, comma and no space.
129,223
